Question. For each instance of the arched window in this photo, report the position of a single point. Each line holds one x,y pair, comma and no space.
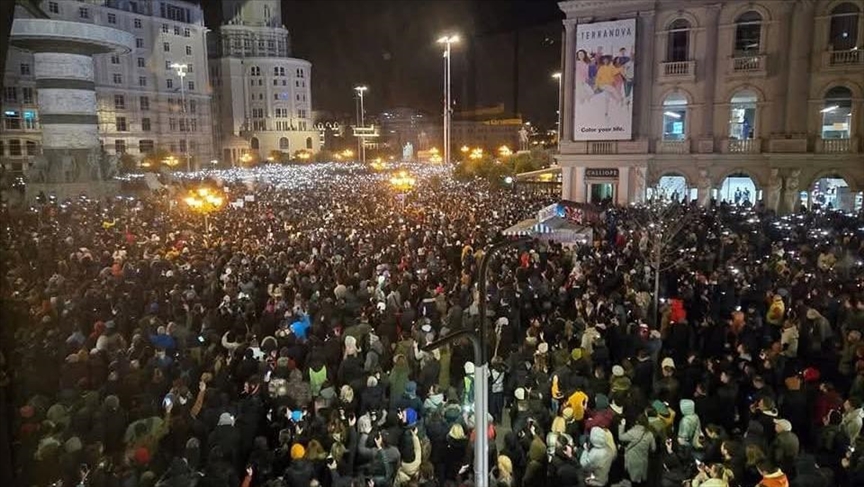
742,115
678,41
675,117
843,35
254,143
284,144
748,33
309,143
837,113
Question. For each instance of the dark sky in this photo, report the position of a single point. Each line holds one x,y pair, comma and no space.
389,45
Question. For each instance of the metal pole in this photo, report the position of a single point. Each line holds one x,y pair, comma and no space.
362,124
183,110
447,104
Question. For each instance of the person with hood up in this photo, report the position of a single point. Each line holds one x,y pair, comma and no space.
640,445
535,470
597,457
690,428
434,401
227,438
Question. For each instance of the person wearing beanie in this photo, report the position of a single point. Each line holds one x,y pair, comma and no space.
227,438
602,415
785,448
619,382
467,392
301,471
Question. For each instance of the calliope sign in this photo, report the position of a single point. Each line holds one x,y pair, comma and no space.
602,173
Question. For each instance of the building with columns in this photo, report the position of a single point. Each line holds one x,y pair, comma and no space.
735,100
262,95
138,96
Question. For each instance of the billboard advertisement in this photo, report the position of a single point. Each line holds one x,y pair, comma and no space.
603,80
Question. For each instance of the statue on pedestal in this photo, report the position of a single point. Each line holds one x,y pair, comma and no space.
791,194
408,152
94,166
704,188
523,138
110,165
38,170
639,174
772,193
69,169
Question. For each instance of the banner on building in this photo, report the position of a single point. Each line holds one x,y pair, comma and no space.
603,77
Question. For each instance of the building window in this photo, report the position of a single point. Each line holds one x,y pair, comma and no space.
284,144
742,115
168,65
15,147
193,106
112,18
678,41
119,102
139,43
53,7
187,32
117,78
255,71
183,145
260,44
145,124
32,148
183,125
169,83
837,113
119,146
121,124
29,120
142,63
308,142
271,45
176,30
301,113
166,46
27,95
142,81
115,59
165,28
137,23
674,117
188,50
191,86
145,103
843,34
748,33
11,120
25,69
84,13
172,124
146,146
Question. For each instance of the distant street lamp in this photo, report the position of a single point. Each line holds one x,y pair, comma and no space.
447,40
557,76
204,201
361,122
504,151
181,73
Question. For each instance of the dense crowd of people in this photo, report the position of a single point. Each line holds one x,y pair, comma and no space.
282,342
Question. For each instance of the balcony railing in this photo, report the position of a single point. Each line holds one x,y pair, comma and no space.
743,63
673,146
678,70
841,59
602,147
837,146
742,146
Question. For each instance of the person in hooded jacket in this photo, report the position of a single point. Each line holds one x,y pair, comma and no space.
639,445
597,457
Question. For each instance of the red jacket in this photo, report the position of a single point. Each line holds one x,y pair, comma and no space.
826,402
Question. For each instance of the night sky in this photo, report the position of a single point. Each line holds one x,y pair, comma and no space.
389,45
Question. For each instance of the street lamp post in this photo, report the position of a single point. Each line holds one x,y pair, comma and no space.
479,340
557,76
361,122
447,41
181,72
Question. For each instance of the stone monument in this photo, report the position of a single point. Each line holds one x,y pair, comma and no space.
72,161
408,152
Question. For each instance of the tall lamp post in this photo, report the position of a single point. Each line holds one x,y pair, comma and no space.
447,40
361,123
181,73
557,77
480,341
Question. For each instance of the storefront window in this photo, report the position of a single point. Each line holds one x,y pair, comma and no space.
675,117
837,113
742,115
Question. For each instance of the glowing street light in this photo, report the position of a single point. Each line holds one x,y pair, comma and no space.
504,151
447,40
205,201
476,154
361,142
182,70
403,181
